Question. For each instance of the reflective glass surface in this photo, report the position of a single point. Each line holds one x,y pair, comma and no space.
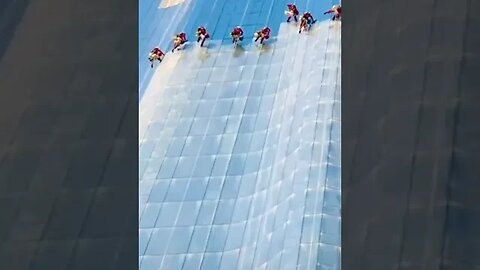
240,155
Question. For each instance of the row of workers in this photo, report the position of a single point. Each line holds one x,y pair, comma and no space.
306,22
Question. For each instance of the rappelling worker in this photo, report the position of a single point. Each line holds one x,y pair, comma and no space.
337,12
306,22
155,54
179,40
202,35
263,34
237,34
292,12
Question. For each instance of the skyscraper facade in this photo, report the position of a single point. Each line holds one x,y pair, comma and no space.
240,147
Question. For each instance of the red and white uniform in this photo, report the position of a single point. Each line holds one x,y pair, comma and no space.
183,37
202,35
336,10
307,16
180,39
157,52
292,12
265,32
293,9
202,31
237,31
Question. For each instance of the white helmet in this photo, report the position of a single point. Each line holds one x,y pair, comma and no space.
334,6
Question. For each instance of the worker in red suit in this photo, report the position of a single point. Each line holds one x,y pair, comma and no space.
155,54
237,34
292,12
337,12
179,40
263,34
306,22
202,35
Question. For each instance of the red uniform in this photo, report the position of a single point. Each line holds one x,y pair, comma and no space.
263,34
202,35
237,31
293,12
307,21
307,16
182,39
266,32
157,51
333,10
155,54
292,8
202,31
337,11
